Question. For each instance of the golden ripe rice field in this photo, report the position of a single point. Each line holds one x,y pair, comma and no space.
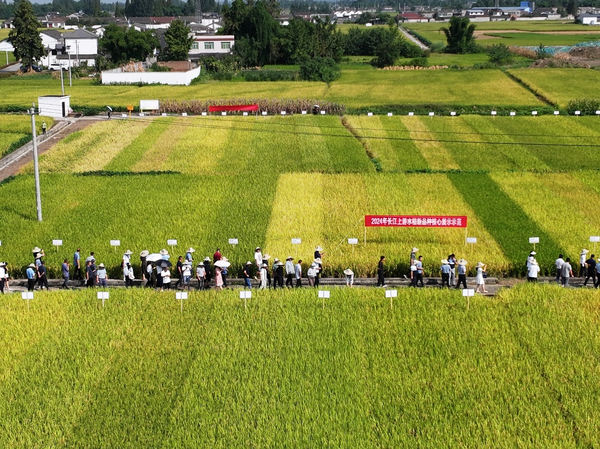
266,180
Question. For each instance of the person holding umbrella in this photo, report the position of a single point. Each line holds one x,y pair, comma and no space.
108,111
218,278
220,266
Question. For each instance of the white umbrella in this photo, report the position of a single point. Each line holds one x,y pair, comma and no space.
222,264
109,108
153,257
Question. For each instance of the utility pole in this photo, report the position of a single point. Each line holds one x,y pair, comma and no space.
36,168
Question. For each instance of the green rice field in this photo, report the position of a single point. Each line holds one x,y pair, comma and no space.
517,370
16,130
267,180
518,33
355,89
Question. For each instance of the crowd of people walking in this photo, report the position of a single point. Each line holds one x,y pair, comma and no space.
157,271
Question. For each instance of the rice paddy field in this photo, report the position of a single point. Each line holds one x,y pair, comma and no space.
561,85
519,33
518,370
16,130
267,180
355,89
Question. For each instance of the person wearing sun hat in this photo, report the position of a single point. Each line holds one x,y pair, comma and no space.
533,271
126,258
289,272
144,263
258,257
531,259
462,273
208,273
200,275
349,277
479,281
298,273
247,273
318,268
582,258
30,273
413,255
188,254
263,276
102,275
278,273
445,269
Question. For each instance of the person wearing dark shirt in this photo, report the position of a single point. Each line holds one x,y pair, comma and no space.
208,273
65,274
42,279
90,273
380,279
591,271
179,272
278,271
247,281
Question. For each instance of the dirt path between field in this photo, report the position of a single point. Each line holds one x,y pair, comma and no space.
12,166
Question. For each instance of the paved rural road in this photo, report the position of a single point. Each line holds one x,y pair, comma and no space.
12,68
413,39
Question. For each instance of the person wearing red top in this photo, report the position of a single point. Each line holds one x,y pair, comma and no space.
217,255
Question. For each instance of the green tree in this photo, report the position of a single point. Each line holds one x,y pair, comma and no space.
25,36
179,42
388,48
320,69
123,46
572,7
460,35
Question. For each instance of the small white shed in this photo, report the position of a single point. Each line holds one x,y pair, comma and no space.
56,106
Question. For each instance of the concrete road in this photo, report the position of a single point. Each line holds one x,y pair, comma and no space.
12,68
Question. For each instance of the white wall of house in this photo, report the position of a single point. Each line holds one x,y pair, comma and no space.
81,46
214,44
116,76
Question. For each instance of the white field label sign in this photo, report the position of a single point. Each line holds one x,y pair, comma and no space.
324,293
172,242
391,293
471,239
244,294
595,238
181,295
233,241
534,240
352,241
57,242
296,241
115,243
103,295
468,292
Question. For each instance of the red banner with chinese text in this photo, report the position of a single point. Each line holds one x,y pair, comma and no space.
422,221
239,107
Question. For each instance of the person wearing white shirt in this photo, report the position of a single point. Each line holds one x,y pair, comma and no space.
532,274
298,273
102,276
258,257
3,277
582,258
200,275
559,264
289,272
165,274
263,277
530,259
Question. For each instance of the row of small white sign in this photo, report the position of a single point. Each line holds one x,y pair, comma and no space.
247,294
369,114
351,241
512,113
